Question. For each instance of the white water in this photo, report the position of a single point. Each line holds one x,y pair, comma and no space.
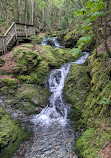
53,41
56,110
54,136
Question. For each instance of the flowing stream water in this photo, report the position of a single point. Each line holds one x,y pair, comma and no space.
53,135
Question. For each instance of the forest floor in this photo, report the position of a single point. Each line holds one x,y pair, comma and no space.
106,151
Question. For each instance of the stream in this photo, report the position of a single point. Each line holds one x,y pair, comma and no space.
54,136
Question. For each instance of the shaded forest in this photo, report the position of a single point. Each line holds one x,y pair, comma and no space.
79,26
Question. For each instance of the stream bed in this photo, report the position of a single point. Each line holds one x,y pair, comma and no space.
53,135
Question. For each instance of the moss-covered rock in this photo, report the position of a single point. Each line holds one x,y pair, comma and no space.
101,86
26,61
8,86
31,99
2,62
33,66
9,83
11,135
76,90
70,39
42,72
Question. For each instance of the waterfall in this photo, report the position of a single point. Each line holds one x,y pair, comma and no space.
51,41
54,136
57,109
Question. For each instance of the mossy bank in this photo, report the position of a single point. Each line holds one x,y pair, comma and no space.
88,89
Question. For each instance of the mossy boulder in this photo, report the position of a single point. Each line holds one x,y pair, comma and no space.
57,57
31,99
42,72
33,66
11,135
8,86
26,61
70,39
38,76
2,62
76,90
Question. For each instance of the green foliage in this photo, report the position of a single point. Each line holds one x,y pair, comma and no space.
91,11
106,101
75,52
35,39
83,41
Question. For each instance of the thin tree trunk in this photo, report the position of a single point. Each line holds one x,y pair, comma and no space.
6,11
19,11
25,11
66,13
59,17
32,12
81,3
0,9
77,6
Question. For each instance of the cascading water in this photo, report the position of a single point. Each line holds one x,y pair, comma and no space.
51,41
53,135
56,110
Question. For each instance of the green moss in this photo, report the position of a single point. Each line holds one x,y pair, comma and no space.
71,35
9,83
76,89
88,89
38,76
8,86
63,54
34,66
101,86
36,39
26,62
42,72
11,135
91,142
30,99
2,62
27,78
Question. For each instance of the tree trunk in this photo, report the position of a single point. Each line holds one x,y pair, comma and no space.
105,28
66,13
25,11
6,11
77,6
32,11
19,11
